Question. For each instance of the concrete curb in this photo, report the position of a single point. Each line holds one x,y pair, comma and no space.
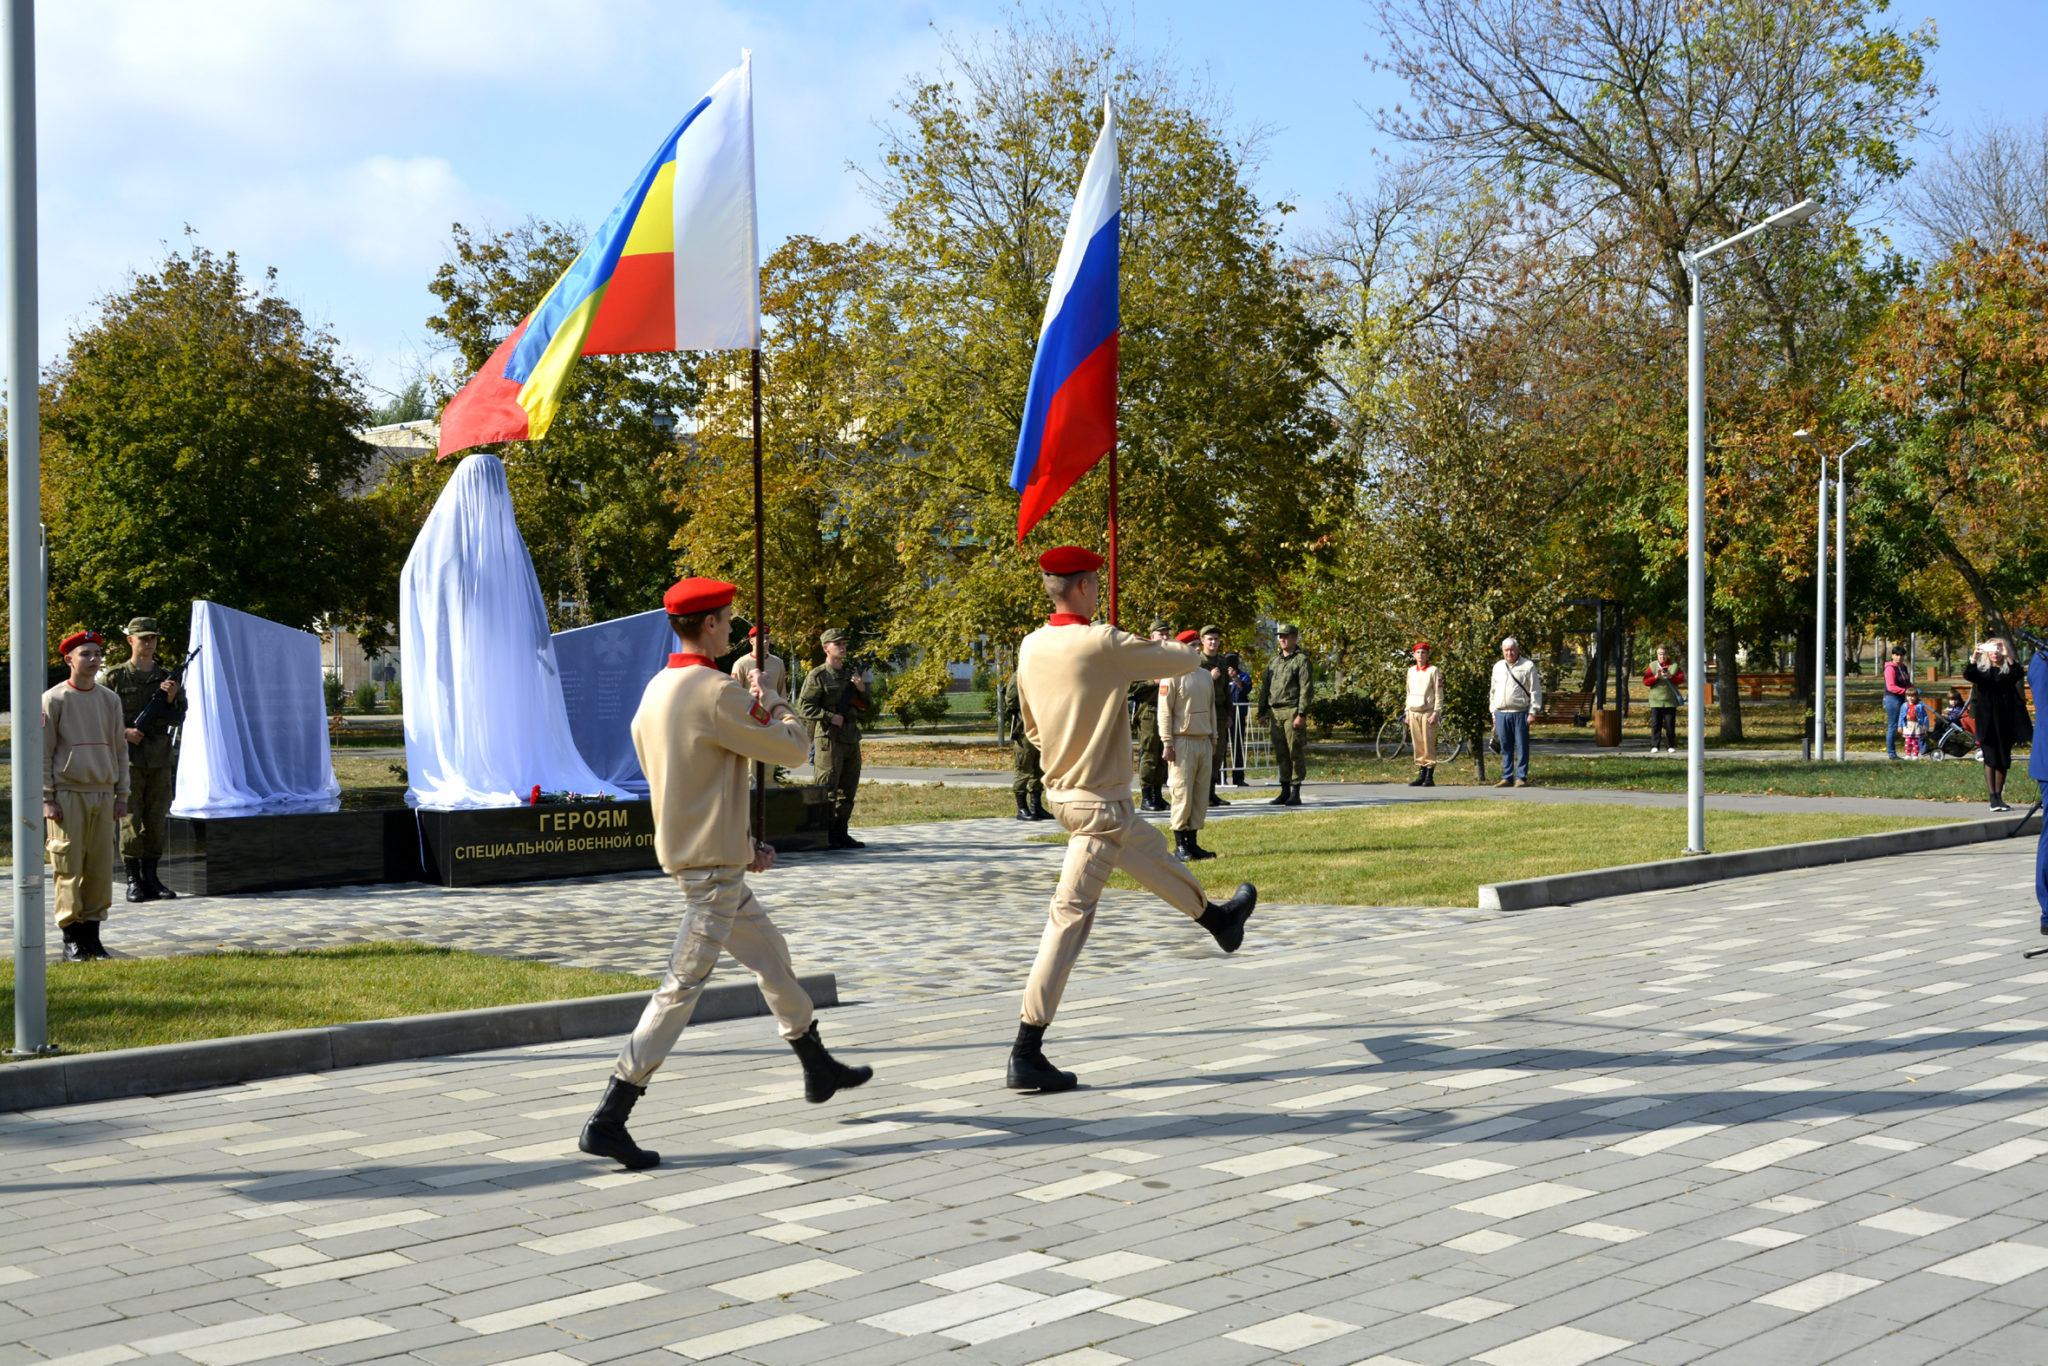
128,1072
1567,888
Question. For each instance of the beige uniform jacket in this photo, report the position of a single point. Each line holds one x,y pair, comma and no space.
84,749
1426,689
1073,678
1187,706
743,669
696,731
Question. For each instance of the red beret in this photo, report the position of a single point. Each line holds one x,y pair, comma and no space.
1188,637
1069,559
1419,645
697,595
77,638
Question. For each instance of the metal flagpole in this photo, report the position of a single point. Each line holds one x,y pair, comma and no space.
1820,624
1112,536
760,603
25,581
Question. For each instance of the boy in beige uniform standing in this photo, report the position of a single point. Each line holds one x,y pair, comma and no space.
85,793
1073,675
1187,725
696,732
1425,708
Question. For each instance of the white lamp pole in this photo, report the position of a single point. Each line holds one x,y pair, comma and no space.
1842,598
1696,526
1820,625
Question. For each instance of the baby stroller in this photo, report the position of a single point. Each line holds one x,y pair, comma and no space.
1951,739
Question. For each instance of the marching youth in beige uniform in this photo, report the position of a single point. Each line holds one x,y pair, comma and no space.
1187,727
85,793
1425,709
1073,676
697,732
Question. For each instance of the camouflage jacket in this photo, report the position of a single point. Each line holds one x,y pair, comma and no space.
135,687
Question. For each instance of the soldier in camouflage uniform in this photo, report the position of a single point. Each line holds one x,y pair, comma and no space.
833,699
1144,696
1028,784
1285,691
152,763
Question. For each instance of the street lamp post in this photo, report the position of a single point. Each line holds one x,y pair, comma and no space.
1696,524
1820,595
1820,622
1842,599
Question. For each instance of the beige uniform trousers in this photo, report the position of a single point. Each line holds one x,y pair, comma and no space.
1422,731
82,853
1189,779
720,913
1107,836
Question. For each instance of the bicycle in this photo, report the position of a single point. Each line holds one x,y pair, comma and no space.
1393,741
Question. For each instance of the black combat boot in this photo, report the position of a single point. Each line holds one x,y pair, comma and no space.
74,944
1429,776
1195,849
1038,811
156,884
604,1134
1155,799
1421,778
1029,1071
1226,921
138,890
1023,809
1281,800
1180,844
823,1073
843,840
1215,800
1294,794
89,931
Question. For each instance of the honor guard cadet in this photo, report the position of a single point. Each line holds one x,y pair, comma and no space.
1074,675
1187,723
1151,749
743,667
85,793
697,731
1217,665
1285,691
833,699
1028,782
152,765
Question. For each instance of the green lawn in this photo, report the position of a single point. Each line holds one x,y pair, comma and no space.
1438,853
1925,780
132,1003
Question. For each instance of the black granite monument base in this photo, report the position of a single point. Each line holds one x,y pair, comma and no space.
217,856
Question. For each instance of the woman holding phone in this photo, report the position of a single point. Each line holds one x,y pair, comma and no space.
2000,710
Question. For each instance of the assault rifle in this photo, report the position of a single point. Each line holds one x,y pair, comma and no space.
158,706
850,699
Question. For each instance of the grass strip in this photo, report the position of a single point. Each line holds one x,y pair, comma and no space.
137,1002
1438,853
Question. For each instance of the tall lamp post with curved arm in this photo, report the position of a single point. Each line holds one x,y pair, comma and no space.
1696,523
1820,614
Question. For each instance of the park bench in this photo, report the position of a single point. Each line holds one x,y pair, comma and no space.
1564,708
1751,686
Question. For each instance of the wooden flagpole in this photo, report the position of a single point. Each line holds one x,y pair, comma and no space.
760,603
1112,536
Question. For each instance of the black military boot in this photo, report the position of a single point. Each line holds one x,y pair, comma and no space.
1195,851
1226,921
1215,800
1023,809
138,890
1429,776
841,839
1029,1071
156,884
1421,778
1294,794
1038,811
1281,800
604,1133
89,931
74,944
823,1073
1155,800
1180,844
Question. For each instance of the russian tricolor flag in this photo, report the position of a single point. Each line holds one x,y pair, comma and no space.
1070,410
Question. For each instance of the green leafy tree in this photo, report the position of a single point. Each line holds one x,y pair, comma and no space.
200,444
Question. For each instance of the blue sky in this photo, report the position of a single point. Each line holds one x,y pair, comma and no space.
339,142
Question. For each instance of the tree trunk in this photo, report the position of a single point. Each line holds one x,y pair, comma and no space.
1994,620
1479,755
1725,686
1802,665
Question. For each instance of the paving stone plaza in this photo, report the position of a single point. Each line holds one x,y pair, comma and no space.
1789,1119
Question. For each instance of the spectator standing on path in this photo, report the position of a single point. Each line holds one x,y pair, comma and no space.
1516,692
1285,691
1664,678
1999,709
152,763
85,792
1217,663
1187,723
1898,682
1152,775
2037,769
697,731
1075,674
834,696
1027,780
1425,709
1236,700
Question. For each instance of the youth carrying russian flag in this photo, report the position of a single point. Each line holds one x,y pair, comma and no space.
676,267
1070,409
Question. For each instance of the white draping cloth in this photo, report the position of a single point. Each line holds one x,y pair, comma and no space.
255,734
605,668
484,717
